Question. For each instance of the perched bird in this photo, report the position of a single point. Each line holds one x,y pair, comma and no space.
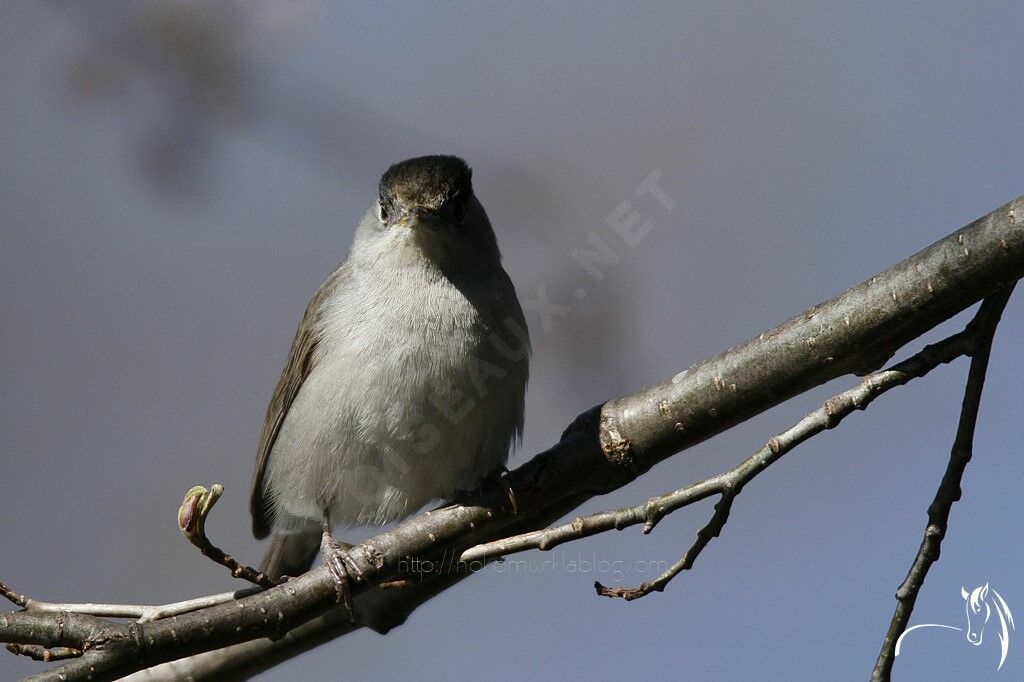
406,379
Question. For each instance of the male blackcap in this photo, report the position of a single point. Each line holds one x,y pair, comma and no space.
406,379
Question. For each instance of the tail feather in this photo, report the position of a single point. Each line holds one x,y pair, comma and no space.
291,554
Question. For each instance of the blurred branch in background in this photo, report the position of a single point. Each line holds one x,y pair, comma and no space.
210,68
186,61
186,76
605,448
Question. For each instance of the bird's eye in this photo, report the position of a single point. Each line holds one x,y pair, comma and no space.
382,210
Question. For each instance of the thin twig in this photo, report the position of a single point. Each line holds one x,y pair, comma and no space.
41,653
192,522
142,612
949,490
9,594
728,484
704,536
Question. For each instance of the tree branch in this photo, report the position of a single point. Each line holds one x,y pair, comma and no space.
607,446
39,653
729,484
54,629
949,491
142,612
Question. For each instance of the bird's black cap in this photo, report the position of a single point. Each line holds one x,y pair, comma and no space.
426,181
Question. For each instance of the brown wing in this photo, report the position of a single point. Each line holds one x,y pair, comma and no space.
301,360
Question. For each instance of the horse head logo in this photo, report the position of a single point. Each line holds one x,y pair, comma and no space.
980,603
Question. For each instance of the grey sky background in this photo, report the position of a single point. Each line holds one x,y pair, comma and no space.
176,181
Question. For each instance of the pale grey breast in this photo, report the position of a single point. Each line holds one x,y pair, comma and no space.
416,390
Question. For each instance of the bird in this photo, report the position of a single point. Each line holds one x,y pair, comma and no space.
406,380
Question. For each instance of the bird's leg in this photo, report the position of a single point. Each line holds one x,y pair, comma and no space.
335,557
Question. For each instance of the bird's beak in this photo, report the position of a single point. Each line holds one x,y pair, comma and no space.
416,217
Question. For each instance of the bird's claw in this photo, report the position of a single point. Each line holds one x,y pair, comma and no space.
342,569
499,478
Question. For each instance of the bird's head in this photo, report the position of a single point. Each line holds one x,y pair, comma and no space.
426,206
429,191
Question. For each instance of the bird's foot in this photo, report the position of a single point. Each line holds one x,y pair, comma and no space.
498,476
342,569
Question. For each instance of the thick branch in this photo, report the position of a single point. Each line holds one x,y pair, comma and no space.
56,629
731,482
386,607
608,446
856,331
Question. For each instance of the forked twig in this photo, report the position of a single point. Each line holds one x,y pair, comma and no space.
949,491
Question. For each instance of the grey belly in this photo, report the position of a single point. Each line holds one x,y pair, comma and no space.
377,443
